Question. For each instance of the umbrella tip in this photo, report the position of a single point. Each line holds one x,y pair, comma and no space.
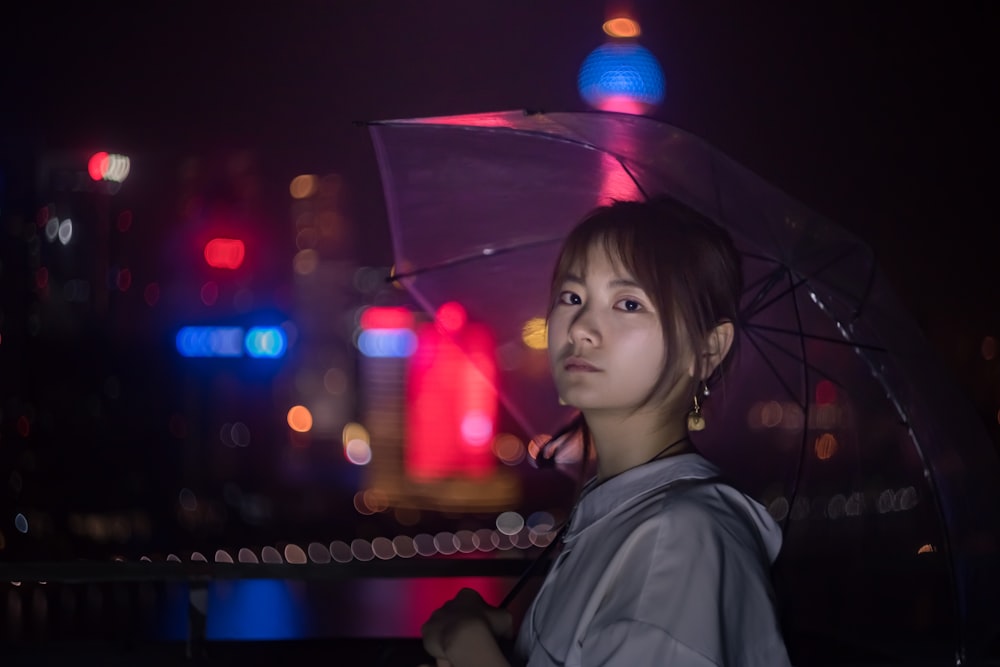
393,278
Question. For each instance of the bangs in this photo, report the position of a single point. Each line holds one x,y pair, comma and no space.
618,242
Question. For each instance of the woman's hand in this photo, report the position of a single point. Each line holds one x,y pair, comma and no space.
464,631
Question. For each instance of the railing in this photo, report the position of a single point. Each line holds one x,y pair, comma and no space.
205,611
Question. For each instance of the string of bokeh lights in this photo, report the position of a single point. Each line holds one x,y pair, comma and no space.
511,531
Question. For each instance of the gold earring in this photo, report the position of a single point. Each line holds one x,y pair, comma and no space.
562,402
696,421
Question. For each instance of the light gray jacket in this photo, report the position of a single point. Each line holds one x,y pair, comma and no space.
654,575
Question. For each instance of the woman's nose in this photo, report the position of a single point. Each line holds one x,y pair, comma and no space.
583,327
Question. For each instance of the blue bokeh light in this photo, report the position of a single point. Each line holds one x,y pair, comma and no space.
255,609
621,76
395,343
258,342
210,341
266,342
247,609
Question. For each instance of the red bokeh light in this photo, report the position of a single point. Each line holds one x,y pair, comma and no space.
450,317
452,402
97,166
826,393
225,253
623,104
378,317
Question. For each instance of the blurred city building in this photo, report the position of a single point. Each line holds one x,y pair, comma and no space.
429,387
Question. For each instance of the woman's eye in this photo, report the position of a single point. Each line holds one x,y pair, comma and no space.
570,298
631,305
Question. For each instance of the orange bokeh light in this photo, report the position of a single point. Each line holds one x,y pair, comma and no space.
300,419
303,186
621,27
826,446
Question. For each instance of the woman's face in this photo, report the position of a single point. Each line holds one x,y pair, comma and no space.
605,340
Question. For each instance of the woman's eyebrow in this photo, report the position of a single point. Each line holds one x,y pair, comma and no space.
624,282
614,283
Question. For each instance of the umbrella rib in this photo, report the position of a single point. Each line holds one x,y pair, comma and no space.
825,339
770,279
780,348
465,259
868,285
805,280
780,268
794,491
791,289
869,282
774,370
757,307
635,180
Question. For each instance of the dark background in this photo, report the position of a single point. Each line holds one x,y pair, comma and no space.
880,116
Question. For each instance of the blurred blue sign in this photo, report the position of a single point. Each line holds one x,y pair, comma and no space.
394,343
231,341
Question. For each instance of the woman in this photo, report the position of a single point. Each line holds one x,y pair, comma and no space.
662,562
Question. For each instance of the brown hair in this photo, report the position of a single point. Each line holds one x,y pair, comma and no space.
687,264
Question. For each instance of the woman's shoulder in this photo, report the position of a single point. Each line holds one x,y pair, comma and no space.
714,513
688,507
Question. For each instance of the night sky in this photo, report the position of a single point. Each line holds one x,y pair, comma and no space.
881,116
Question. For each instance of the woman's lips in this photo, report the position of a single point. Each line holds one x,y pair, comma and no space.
579,365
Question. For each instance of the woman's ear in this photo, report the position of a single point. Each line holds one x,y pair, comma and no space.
717,346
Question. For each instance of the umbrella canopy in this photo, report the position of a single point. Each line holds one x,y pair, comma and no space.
835,413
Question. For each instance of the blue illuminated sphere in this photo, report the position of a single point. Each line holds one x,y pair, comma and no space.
621,76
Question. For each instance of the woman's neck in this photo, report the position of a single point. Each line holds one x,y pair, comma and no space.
624,442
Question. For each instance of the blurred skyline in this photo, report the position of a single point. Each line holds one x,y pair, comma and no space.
878,117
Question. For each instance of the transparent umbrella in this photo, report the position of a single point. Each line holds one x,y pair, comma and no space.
836,414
